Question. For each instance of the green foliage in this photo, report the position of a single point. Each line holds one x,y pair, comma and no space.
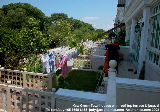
69,31
82,49
73,44
112,34
127,42
60,32
34,64
21,33
58,17
15,15
32,39
121,38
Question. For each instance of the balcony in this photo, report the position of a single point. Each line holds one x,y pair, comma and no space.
121,3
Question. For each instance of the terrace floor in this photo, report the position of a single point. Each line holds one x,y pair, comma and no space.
127,69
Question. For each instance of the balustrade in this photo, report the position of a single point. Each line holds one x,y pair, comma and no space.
18,99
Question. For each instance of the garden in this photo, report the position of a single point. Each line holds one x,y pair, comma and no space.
79,80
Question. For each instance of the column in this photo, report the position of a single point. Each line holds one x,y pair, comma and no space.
127,32
132,33
144,37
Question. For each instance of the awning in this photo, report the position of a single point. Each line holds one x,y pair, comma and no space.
119,26
121,3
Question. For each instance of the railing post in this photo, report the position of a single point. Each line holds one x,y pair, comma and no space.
1,69
0,75
8,99
110,102
24,78
50,83
53,99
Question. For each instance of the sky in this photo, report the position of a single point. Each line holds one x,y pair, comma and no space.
100,13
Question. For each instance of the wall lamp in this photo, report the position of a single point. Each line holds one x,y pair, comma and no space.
138,27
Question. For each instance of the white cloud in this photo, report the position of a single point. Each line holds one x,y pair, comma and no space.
89,18
94,26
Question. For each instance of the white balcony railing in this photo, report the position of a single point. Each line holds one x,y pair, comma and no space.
18,99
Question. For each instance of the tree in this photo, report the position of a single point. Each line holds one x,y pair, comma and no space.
15,15
60,31
22,33
33,40
58,17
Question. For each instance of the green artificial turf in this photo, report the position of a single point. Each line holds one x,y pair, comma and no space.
79,80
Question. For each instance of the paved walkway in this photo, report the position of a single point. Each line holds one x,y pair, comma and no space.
127,69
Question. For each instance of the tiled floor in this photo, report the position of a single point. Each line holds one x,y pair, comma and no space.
127,69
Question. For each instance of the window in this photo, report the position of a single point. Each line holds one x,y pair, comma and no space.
153,46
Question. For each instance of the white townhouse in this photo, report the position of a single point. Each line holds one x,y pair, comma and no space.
142,22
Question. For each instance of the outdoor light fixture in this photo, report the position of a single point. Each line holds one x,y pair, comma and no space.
137,28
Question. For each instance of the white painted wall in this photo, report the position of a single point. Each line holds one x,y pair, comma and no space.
137,92
125,50
98,51
152,72
137,97
71,99
97,61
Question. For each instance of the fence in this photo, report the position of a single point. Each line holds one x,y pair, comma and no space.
37,81
82,61
18,99
100,88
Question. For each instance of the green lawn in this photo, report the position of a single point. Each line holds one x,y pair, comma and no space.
79,80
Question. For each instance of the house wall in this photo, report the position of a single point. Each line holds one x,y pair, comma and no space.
142,11
151,72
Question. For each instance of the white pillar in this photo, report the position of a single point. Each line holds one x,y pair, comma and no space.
111,88
132,33
127,33
144,36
